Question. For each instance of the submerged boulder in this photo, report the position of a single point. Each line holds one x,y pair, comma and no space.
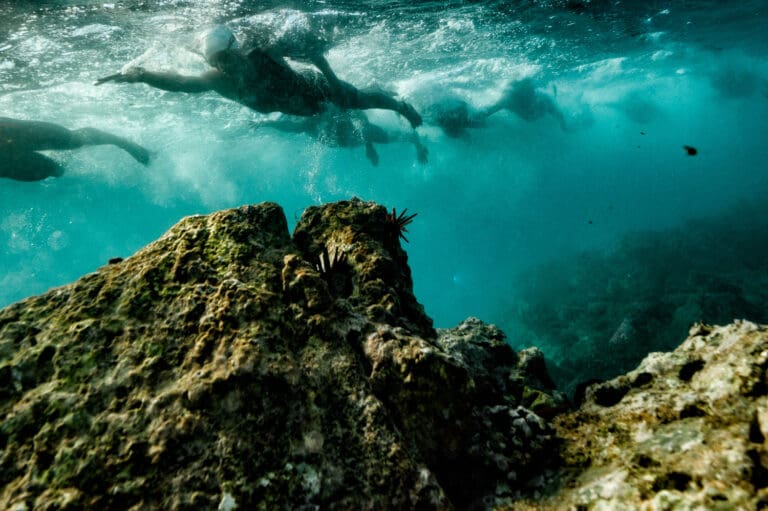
684,430
230,365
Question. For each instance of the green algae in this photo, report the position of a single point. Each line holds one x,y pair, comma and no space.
220,361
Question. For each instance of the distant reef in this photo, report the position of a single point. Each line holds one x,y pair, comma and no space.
642,294
230,365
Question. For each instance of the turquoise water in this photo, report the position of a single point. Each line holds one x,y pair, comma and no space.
635,83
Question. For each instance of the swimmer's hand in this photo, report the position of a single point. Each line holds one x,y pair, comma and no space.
131,75
141,155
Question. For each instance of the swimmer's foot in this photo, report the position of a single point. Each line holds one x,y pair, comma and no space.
409,113
422,154
139,154
371,154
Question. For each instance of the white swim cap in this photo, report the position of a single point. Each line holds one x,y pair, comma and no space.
214,40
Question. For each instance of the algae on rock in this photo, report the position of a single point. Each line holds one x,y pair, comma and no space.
222,366
684,430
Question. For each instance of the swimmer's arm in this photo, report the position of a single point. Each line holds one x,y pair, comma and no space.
177,83
166,81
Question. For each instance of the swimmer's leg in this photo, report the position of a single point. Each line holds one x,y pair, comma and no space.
92,136
26,136
372,133
347,96
422,154
411,137
376,133
363,99
371,154
337,86
28,166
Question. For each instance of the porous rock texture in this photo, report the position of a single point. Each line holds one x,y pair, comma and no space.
685,430
229,365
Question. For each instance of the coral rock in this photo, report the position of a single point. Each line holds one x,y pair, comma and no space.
224,367
685,430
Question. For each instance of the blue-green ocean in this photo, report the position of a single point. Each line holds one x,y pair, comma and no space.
602,239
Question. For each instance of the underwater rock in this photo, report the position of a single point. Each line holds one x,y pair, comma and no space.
228,365
482,349
684,430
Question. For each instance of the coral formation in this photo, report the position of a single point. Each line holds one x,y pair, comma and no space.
220,368
684,430
230,365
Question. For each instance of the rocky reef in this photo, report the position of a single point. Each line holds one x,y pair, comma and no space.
642,294
232,365
684,430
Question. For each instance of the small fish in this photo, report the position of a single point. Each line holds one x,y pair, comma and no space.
690,150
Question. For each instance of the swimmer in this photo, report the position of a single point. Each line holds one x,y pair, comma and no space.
520,97
347,128
20,141
524,100
455,116
264,81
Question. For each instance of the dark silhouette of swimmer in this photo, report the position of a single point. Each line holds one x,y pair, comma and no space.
347,128
20,141
455,115
264,81
521,97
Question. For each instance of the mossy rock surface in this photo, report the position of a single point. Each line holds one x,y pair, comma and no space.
223,365
684,430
